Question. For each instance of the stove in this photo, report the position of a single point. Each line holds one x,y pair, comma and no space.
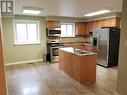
53,46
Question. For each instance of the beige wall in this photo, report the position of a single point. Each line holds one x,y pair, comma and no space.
76,39
122,68
20,53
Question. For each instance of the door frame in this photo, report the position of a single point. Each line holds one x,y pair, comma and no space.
3,86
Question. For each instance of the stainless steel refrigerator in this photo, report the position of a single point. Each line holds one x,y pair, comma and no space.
106,43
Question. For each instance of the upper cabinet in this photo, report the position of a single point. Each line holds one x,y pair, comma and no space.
81,29
84,28
53,24
111,22
91,25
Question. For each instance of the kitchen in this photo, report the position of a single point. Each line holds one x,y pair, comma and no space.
100,43
82,36
90,40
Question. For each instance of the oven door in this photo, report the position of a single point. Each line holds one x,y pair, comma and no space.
54,54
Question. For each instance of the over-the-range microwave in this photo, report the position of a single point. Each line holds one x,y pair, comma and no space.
53,32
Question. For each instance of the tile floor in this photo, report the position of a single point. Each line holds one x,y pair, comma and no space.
47,79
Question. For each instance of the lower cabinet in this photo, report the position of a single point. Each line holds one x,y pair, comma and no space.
65,62
61,60
81,68
84,69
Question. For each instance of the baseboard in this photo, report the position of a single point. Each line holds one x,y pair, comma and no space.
24,62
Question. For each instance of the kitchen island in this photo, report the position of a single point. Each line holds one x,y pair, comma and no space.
78,64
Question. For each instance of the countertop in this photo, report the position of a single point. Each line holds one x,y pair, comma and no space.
78,52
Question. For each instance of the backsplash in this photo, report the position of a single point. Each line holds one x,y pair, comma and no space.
72,39
78,39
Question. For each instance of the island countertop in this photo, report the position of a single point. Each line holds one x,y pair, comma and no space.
78,52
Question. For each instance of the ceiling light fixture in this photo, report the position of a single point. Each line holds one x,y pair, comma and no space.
31,10
35,12
97,13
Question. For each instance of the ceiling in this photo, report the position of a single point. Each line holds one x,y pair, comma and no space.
68,8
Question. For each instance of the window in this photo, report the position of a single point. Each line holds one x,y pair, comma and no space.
67,30
26,32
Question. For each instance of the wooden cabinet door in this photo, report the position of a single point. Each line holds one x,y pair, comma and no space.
65,62
68,64
102,23
98,24
114,22
84,68
88,69
91,25
107,23
118,22
53,24
61,60
77,68
81,29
